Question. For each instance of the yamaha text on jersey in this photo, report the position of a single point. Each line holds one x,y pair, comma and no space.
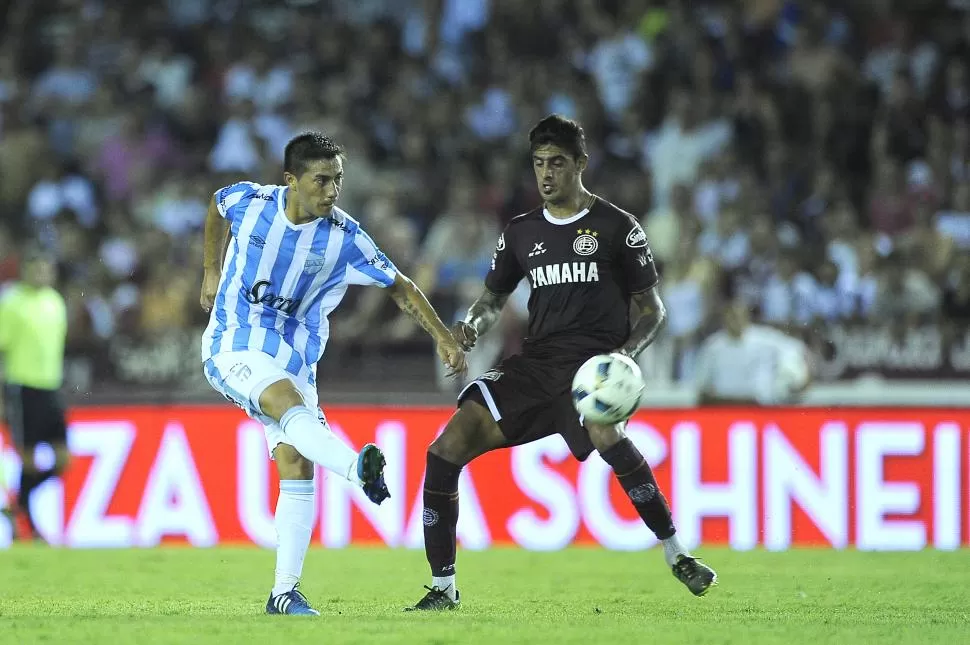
582,270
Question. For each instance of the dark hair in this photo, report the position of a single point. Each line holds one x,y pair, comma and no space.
307,147
561,132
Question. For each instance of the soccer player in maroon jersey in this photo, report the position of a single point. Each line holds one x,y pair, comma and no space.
594,291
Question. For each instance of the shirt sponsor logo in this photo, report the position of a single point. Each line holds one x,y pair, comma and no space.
637,237
262,294
550,274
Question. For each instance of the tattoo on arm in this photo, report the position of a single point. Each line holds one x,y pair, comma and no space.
648,319
413,302
485,312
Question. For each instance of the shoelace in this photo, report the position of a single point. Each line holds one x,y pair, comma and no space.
299,594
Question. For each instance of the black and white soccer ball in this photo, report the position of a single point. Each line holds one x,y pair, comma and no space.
607,388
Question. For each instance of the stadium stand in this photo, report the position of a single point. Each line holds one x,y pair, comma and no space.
812,157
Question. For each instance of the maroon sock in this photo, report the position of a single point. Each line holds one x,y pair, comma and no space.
637,479
441,514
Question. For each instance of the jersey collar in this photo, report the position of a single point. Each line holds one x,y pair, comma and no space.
564,222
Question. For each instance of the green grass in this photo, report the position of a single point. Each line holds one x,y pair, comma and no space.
586,596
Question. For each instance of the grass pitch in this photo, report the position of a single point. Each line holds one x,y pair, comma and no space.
204,597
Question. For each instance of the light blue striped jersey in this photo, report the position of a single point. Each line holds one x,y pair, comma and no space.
281,280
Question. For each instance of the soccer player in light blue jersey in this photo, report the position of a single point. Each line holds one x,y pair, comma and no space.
278,260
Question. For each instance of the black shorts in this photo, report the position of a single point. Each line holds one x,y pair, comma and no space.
34,416
530,398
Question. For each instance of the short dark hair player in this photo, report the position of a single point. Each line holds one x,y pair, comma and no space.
587,261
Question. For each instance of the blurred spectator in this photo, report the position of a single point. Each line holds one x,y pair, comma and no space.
616,61
665,225
953,221
22,149
67,80
890,208
905,293
452,264
956,295
62,190
780,153
775,366
129,162
684,141
929,248
165,301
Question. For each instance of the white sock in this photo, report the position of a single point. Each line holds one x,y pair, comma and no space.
295,514
446,584
315,441
673,549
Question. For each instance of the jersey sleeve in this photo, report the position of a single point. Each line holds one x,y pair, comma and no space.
366,263
229,197
505,272
635,257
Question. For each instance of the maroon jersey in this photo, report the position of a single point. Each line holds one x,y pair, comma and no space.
582,271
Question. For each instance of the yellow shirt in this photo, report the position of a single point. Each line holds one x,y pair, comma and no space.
33,329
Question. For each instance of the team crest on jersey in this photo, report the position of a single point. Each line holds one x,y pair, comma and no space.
586,243
314,263
501,243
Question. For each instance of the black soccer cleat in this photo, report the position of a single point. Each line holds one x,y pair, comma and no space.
370,471
696,576
436,600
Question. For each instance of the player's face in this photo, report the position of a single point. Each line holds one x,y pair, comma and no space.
557,173
318,188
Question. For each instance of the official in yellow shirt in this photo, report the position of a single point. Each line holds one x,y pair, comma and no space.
33,330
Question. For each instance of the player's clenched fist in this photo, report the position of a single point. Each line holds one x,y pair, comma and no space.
465,335
210,285
452,356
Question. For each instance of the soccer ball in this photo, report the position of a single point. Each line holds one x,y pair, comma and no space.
607,388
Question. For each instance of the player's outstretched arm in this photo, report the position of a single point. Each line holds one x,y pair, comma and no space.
647,319
481,316
216,239
412,301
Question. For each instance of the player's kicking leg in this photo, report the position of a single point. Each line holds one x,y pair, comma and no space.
636,477
307,440
306,431
470,432
298,436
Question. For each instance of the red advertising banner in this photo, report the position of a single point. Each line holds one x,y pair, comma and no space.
877,479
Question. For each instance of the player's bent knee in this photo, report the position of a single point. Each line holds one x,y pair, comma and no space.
279,397
291,464
470,432
605,436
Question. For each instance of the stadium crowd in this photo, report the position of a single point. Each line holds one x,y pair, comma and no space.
811,157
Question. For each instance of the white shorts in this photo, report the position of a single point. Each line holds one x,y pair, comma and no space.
242,377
